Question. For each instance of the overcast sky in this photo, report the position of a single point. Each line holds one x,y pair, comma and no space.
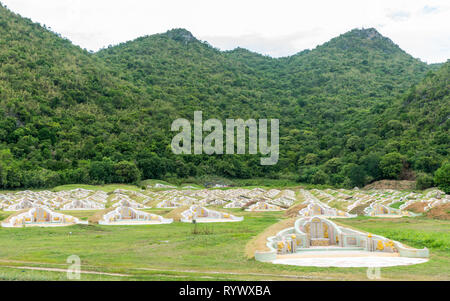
276,28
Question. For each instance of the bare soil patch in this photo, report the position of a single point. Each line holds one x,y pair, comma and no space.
392,184
258,243
8,219
293,211
359,210
176,213
417,207
440,212
94,219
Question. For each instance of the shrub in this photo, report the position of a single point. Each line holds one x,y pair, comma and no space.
424,181
442,177
391,165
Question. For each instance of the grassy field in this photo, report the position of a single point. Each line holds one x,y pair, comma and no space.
105,188
174,252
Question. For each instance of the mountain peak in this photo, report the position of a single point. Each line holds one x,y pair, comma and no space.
368,33
362,39
181,35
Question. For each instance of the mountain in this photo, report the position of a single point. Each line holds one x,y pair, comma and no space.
70,116
55,99
423,117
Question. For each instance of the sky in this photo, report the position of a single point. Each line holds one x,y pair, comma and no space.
276,28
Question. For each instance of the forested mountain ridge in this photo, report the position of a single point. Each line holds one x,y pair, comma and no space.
54,98
418,126
70,116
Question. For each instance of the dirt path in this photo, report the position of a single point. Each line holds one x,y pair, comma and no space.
242,274
302,277
64,271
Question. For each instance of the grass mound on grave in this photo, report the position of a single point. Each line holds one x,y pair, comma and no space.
397,205
417,207
293,211
359,210
175,214
439,212
258,243
94,219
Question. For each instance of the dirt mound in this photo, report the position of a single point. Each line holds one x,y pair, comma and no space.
8,219
247,205
439,212
359,210
392,184
293,211
417,207
176,213
258,243
153,203
94,219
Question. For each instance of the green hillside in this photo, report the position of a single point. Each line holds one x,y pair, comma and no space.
422,117
348,114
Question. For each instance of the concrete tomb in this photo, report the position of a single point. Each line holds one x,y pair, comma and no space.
263,206
203,215
317,241
319,209
131,216
41,217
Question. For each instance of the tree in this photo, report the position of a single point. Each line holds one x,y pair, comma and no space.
320,177
392,165
371,165
332,165
354,143
101,172
126,172
442,177
355,173
424,181
427,163
311,159
151,166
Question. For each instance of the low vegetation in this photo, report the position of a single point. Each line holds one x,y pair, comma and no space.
180,251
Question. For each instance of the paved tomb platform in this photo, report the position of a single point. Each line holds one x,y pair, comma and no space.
135,223
215,220
324,257
50,225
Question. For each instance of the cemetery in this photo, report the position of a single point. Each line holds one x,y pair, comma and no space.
314,238
130,216
314,235
263,206
83,205
316,209
40,217
202,215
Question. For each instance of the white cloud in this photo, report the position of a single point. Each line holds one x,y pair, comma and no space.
430,9
277,27
399,15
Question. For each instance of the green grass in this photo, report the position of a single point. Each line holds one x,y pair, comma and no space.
179,252
13,273
233,183
417,232
106,188
397,205
4,214
153,182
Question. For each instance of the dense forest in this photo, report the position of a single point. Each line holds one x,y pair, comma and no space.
353,110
